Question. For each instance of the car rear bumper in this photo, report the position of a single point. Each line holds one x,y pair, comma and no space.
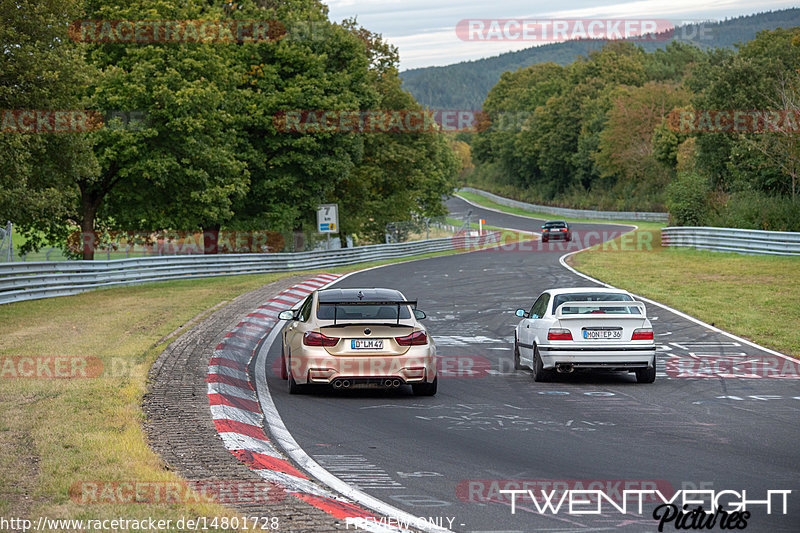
367,370
619,357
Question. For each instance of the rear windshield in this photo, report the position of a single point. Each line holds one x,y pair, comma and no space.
555,225
361,312
595,297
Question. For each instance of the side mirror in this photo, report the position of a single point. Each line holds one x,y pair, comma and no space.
286,315
521,313
419,315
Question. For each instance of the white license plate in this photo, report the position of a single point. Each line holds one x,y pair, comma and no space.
592,334
366,344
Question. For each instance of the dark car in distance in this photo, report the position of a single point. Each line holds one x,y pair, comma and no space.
556,230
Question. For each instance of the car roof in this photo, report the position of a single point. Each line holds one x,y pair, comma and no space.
367,295
586,289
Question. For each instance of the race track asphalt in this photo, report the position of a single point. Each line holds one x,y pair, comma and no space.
491,427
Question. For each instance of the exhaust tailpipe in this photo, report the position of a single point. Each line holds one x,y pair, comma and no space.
396,383
387,383
337,383
565,369
346,383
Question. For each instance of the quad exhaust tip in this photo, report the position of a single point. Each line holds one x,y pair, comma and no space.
341,383
346,383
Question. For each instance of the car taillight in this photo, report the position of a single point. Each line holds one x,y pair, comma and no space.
563,229
642,334
545,230
559,334
418,338
312,338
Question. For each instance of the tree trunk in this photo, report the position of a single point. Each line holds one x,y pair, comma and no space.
298,239
211,239
89,205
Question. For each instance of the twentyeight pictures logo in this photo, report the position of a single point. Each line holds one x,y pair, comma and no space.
560,30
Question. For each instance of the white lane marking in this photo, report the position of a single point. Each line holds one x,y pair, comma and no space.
258,321
226,412
231,390
284,438
358,471
681,314
463,340
293,483
688,345
227,371
236,441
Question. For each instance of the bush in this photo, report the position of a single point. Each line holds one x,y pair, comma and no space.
687,200
758,210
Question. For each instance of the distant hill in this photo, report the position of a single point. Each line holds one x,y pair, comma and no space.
465,85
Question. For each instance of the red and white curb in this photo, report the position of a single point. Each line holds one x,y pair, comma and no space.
237,414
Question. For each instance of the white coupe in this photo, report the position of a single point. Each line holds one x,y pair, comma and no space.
585,328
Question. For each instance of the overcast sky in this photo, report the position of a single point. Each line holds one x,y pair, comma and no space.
424,30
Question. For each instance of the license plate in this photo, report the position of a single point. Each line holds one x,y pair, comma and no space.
592,334
366,344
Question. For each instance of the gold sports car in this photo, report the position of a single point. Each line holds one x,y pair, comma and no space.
358,338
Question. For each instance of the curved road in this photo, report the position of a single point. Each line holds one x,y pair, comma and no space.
491,427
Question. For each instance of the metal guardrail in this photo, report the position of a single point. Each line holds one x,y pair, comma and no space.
647,216
47,279
743,241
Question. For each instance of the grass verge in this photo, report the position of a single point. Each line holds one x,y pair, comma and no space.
752,296
57,432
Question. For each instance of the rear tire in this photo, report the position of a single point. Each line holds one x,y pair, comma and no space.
284,373
293,387
646,375
540,375
425,389
517,363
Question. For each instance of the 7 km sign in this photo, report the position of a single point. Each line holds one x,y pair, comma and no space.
328,218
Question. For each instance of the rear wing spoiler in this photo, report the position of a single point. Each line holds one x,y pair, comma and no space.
397,303
574,307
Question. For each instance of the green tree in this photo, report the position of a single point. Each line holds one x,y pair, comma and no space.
748,80
403,174
41,69
179,167
323,69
